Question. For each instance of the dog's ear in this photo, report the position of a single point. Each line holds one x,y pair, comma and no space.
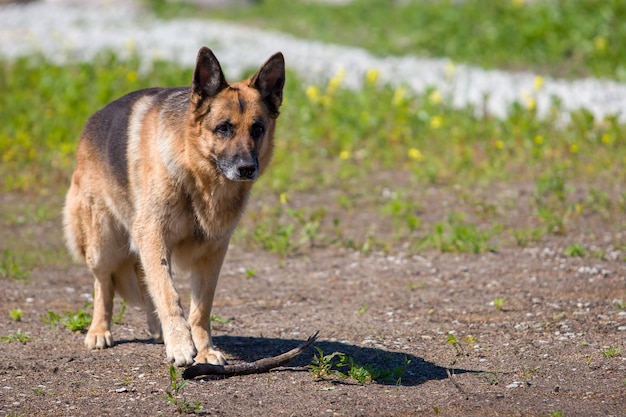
270,80
208,78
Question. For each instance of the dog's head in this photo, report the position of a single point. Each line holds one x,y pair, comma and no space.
233,124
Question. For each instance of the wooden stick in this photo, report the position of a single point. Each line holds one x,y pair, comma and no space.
247,368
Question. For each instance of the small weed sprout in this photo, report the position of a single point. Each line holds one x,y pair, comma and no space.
575,250
16,337
174,395
498,303
453,341
321,365
218,319
74,321
52,320
16,314
611,352
78,322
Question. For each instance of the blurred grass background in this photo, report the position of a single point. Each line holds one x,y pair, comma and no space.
355,169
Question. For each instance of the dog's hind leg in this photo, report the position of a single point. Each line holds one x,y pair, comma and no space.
99,334
99,239
154,324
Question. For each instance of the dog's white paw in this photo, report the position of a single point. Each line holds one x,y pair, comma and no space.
212,356
96,339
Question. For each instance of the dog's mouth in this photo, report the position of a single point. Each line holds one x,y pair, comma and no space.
240,169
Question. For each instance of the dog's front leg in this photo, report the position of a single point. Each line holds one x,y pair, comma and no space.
204,276
155,258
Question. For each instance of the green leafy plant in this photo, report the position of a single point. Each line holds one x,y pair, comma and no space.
16,314
16,337
174,395
575,250
75,321
322,365
457,236
498,303
52,319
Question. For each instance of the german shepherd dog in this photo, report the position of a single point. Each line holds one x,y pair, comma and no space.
161,180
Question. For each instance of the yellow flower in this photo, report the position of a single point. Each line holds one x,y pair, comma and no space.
343,155
573,148
336,81
499,144
398,97
600,43
538,82
131,76
436,122
606,138
528,100
538,139
313,93
450,69
579,208
435,97
416,155
372,76
283,198
517,3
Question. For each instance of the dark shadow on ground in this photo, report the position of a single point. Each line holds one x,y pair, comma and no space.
418,371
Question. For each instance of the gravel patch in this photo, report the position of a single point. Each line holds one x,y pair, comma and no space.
69,31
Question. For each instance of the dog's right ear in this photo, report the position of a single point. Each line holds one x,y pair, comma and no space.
208,78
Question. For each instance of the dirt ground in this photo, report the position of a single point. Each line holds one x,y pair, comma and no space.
544,353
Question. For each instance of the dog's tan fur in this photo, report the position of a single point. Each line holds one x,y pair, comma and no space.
161,180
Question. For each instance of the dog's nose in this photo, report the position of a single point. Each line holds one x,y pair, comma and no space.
247,171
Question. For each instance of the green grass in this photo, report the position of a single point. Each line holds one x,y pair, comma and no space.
561,37
361,153
74,321
16,337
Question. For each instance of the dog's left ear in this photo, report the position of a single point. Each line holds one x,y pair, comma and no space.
270,81
208,78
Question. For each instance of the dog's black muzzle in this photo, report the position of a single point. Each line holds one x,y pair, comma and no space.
240,169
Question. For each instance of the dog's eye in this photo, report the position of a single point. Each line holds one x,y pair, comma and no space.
224,129
257,131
